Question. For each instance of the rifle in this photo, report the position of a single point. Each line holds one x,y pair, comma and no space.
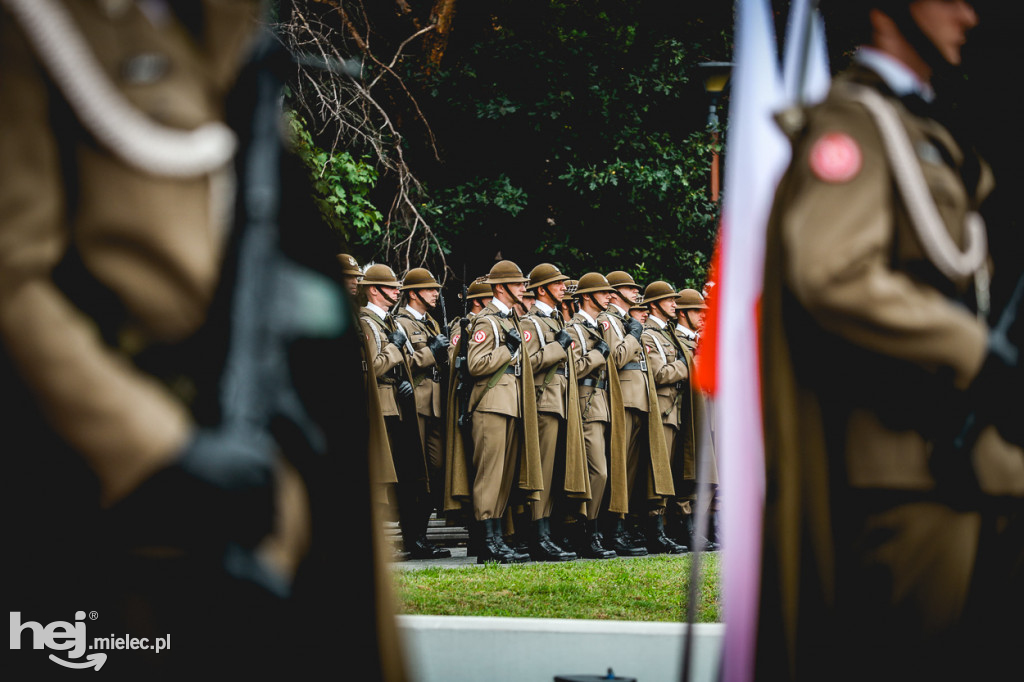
952,463
463,385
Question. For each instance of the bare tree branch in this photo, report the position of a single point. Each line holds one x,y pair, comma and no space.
342,101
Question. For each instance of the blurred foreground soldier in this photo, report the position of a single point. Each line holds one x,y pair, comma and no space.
603,435
559,429
170,381
690,312
893,546
502,411
350,273
427,354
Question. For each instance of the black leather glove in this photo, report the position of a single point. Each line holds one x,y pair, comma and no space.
601,347
404,389
513,341
634,328
563,339
438,344
398,337
219,490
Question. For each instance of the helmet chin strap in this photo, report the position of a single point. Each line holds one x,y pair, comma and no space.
419,297
391,301
515,299
597,305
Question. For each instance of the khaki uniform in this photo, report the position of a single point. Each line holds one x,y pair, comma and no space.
671,370
645,439
592,373
426,379
115,198
697,404
383,358
504,416
865,344
554,380
389,367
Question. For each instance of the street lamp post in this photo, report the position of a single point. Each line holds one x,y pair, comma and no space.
716,77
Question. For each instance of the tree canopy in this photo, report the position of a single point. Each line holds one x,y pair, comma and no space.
537,130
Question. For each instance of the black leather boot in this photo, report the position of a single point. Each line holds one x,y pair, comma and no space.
422,548
698,541
592,539
657,541
714,532
543,548
620,541
493,547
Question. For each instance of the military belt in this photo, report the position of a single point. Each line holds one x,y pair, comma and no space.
596,383
642,366
514,369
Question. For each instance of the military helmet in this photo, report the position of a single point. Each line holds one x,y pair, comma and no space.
530,294
571,285
657,291
641,304
593,282
379,275
419,278
506,272
690,299
619,278
545,273
478,289
349,266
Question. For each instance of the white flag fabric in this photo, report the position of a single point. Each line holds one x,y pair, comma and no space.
756,155
805,69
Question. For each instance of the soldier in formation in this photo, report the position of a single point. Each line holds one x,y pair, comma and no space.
557,422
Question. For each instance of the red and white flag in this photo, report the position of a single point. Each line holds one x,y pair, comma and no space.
728,361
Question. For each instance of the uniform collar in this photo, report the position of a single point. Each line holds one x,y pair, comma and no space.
412,311
686,331
622,313
502,308
543,307
897,75
657,321
376,310
587,317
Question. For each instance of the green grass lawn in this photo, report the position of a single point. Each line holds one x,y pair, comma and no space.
645,588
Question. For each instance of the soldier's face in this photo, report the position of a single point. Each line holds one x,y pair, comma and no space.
603,298
945,23
557,290
430,296
639,315
351,284
629,293
518,289
698,317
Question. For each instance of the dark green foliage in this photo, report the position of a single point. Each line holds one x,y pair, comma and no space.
574,132
341,185
566,131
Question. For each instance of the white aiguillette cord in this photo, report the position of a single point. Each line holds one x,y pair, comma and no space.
935,239
105,112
